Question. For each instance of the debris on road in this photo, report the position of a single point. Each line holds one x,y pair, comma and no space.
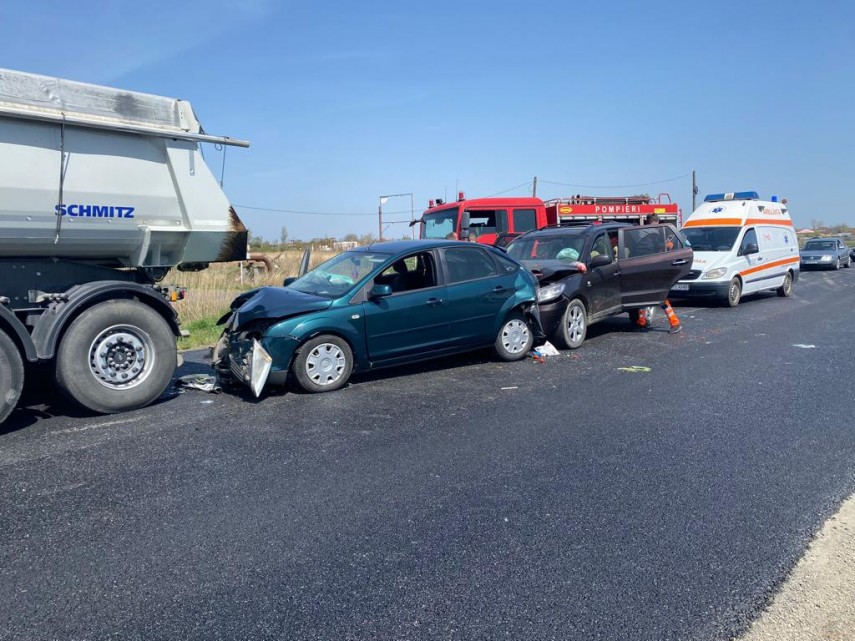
201,382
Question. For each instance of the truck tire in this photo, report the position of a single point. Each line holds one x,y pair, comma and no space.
11,375
116,356
574,326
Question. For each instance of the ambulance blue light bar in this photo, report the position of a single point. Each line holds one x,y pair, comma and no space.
737,195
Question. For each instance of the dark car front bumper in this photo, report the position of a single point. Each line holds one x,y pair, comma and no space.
551,315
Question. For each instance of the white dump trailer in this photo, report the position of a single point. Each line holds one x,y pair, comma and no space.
102,191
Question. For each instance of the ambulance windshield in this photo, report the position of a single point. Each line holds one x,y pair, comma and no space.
711,239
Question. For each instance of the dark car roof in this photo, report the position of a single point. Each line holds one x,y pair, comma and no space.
403,246
563,230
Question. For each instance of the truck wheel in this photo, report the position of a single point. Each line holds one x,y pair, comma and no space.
786,288
514,339
323,364
116,356
734,293
574,325
11,376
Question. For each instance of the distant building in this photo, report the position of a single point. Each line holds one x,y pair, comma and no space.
344,245
805,231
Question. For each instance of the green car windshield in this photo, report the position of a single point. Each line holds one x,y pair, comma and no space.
339,274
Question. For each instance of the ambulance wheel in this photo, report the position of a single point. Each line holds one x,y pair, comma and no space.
734,292
118,355
786,288
11,376
323,364
514,340
574,326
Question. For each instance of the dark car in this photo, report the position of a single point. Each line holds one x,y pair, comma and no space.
590,272
382,305
825,253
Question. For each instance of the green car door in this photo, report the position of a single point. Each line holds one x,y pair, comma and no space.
412,322
477,293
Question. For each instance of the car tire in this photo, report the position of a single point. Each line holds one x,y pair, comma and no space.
514,340
11,376
116,356
574,326
323,364
786,288
734,293
837,264
848,262
634,313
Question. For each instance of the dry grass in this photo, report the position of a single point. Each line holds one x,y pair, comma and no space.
210,291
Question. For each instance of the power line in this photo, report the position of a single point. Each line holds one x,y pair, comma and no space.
320,213
657,182
499,193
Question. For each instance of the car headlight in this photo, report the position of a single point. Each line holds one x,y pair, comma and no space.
826,259
550,292
718,272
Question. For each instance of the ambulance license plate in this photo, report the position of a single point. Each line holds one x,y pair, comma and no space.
681,287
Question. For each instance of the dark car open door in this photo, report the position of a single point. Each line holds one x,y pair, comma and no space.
652,258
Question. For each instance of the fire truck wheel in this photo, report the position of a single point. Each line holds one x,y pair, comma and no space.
323,364
116,356
11,376
514,340
786,288
574,325
734,292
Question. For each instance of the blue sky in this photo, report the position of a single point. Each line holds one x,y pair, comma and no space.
346,101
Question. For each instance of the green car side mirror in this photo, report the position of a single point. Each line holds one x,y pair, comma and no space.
379,291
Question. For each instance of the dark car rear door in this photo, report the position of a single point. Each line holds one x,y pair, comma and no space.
652,259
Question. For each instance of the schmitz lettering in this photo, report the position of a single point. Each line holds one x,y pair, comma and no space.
95,211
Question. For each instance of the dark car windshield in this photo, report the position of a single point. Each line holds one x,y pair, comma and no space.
565,247
711,239
813,245
339,274
440,223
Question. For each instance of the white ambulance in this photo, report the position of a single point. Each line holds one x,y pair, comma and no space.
742,245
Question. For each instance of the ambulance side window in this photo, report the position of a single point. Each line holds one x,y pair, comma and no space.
749,238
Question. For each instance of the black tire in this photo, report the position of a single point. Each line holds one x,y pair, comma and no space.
514,340
323,364
848,262
786,288
574,326
837,264
734,292
116,356
633,315
11,375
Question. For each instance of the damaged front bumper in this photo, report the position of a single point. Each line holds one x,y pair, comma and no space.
242,358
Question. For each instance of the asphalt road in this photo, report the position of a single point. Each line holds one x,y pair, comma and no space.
465,499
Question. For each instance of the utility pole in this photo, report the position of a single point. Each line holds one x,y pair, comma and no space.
694,190
380,221
534,188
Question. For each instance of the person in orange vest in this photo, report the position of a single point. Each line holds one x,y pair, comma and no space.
673,321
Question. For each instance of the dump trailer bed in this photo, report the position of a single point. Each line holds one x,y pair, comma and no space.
102,190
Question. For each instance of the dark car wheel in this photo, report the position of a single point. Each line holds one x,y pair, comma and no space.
734,292
514,339
786,288
116,356
574,325
11,376
848,262
323,364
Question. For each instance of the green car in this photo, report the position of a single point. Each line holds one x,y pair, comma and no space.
378,306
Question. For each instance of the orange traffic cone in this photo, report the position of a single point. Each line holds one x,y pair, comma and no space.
673,321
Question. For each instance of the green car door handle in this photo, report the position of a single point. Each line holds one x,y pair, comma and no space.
434,302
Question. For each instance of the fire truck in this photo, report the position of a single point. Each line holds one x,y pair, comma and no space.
497,220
